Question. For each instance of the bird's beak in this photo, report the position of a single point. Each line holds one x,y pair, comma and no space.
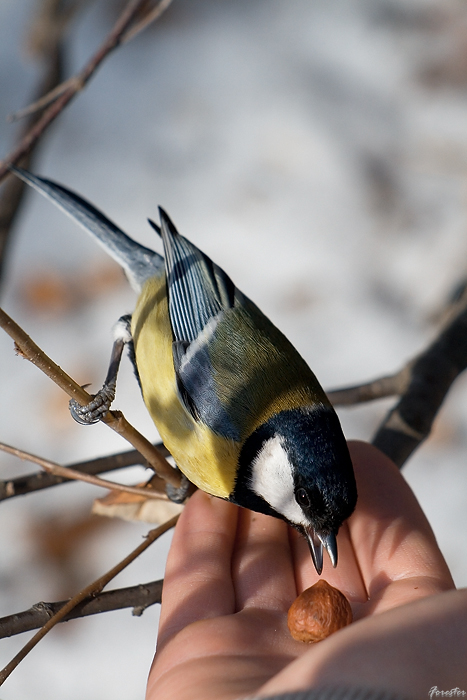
316,542
330,544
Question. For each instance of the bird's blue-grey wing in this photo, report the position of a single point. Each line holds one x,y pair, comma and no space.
198,289
199,294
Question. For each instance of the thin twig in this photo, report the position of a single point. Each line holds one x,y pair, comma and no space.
29,483
137,597
114,419
113,40
151,17
68,473
45,100
392,385
75,81
91,590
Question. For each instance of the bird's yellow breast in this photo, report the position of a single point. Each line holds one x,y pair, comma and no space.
208,460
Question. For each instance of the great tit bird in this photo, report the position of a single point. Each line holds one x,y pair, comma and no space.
235,404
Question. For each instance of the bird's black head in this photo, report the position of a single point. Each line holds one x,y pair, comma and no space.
297,467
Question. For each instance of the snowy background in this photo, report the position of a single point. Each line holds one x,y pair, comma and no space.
317,150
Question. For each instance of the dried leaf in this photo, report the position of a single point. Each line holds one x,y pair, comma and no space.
130,506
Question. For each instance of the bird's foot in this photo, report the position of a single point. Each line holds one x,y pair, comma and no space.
180,494
95,409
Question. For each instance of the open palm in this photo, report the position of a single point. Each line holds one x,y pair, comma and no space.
232,575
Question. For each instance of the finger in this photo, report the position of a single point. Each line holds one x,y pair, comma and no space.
198,582
390,534
262,565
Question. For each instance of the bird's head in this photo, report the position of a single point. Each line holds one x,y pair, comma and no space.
297,467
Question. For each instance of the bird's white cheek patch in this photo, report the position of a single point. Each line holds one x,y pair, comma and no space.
272,479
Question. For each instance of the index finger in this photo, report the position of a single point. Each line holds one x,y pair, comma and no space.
198,582
390,535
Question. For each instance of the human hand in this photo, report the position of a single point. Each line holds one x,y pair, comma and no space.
232,575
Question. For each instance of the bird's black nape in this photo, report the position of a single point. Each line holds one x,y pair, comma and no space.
317,447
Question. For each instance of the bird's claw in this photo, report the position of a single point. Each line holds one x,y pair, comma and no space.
180,494
97,408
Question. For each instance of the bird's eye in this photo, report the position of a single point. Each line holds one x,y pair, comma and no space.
302,498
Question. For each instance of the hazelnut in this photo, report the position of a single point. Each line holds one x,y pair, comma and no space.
318,612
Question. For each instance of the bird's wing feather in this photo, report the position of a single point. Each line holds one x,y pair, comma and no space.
199,293
197,288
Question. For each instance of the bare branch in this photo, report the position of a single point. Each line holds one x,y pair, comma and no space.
28,483
113,40
91,590
114,419
431,375
137,597
58,470
392,385
421,384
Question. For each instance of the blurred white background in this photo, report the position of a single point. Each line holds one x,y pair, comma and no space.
315,150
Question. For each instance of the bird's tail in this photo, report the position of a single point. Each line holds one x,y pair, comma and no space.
139,263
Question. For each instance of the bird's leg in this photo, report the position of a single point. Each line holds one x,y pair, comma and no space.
100,404
180,494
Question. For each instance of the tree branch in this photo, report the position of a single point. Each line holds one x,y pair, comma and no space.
392,385
90,591
114,419
137,597
45,41
113,40
432,373
68,473
28,483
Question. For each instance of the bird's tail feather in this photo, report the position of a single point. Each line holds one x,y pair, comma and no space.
139,263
